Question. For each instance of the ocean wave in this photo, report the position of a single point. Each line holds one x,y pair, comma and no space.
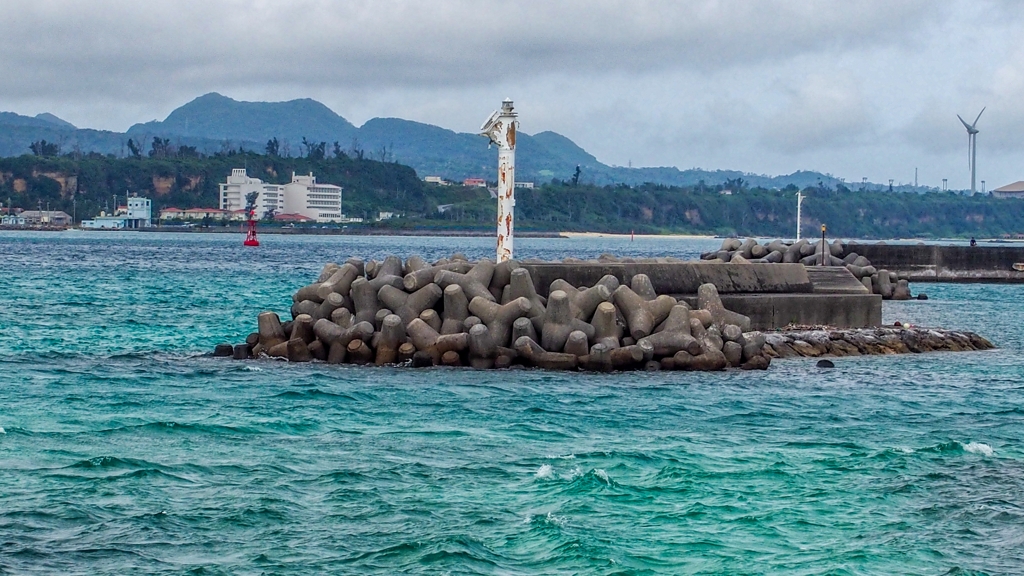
2,431
979,448
555,520
149,474
594,480
954,447
311,393
545,471
110,463
112,468
179,427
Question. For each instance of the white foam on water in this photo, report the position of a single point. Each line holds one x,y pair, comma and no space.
2,431
254,369
556,520
574,474
602,475
545,471
904,450
979,448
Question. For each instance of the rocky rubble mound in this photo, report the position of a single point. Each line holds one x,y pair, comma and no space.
817,253
822,341
455,312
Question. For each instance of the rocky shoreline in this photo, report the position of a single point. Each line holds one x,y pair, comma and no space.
822,341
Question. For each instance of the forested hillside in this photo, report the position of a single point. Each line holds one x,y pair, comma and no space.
183,178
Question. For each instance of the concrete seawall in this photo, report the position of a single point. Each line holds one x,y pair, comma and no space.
946,263
772,295
678,277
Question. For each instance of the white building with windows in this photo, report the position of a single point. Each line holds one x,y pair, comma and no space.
240,185
303,195
138,213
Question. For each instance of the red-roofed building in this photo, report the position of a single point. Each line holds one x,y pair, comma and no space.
294,218
1015,190
200,213
172,213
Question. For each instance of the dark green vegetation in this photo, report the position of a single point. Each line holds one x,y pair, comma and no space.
216,124
654,209
184,178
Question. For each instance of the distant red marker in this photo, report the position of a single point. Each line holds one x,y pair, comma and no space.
250,237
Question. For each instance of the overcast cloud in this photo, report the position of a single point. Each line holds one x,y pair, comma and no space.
859,89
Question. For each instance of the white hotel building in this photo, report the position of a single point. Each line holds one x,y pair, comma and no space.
302,195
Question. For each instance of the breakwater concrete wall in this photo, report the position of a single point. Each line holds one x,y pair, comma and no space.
776,311
772,295
817,255
677,277
931,263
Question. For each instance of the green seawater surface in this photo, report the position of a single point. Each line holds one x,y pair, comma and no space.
126,449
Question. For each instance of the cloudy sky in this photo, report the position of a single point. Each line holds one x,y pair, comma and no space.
866,88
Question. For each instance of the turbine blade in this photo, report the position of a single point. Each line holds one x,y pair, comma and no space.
979,117
966,125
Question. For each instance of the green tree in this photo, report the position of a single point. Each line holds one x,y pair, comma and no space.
161,148
134,149
44,148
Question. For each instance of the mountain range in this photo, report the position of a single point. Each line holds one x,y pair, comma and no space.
213,123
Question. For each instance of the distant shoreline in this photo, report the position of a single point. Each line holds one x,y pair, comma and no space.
472,233
351,232
644,236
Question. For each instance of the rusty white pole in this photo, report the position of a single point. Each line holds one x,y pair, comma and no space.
799,200
500,128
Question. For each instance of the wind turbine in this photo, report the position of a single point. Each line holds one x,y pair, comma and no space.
972,146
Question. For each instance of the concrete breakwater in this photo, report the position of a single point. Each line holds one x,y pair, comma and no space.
819,341
612,315
933,263
888,284
485,315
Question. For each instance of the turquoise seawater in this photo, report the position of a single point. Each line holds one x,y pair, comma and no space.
126,450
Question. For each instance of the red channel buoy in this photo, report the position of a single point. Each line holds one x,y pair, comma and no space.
250,237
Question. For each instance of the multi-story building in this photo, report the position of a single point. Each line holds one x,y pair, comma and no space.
138,213
303,195
239,185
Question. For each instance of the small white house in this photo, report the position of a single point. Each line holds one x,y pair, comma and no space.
104,222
